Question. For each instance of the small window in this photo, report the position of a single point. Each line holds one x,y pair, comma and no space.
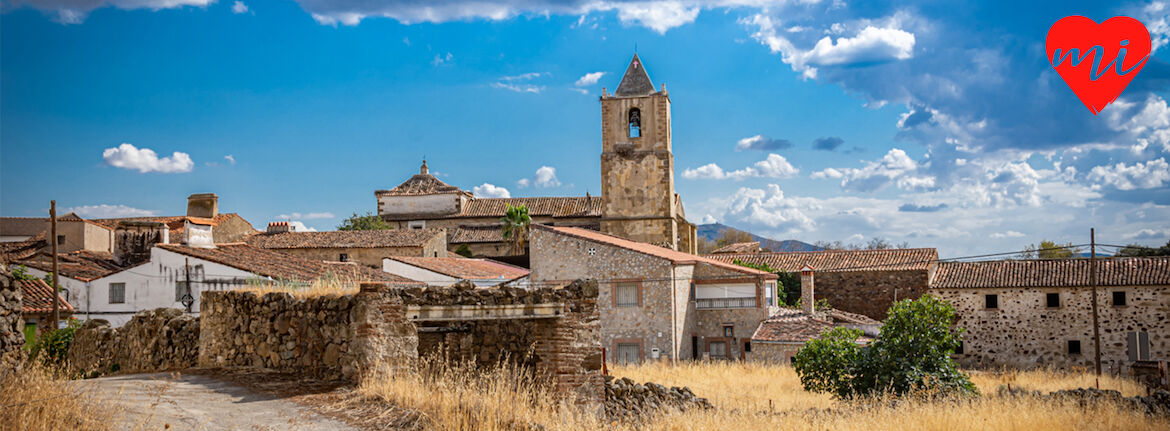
626,294
180,290
1052,300
627,353
418,224
60,239
991,301
344,257
728,331
117,293
1118,298
1074,347
747,347
1138,346
635,122
959,350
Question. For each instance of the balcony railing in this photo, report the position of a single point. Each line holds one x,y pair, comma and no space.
709,303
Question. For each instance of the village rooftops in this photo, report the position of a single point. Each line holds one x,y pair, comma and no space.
898,259
422,183
739,247
18,250
466,269
175,224
281,266
674,256
82,265
794,326
38,298
344,239
1116,271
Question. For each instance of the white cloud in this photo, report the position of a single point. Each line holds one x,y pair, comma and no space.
144,160
709,219
231,160
894,168
1148,175
1148,234
546,176
765,208
486,190
239,7
870,45
442,59
1007,234
774,166
109,211
589,79
75,11
761,143
298,226
308,216
523,182
520,83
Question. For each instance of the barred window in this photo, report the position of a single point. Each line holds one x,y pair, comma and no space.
117,293
626,294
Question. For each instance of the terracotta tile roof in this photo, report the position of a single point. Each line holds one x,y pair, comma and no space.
1119,271
478,233
739,247
281,266
80,265
650,249
793,326
344,239
839,260
420,184
19,250
174,223
38,297
584,206
847,317
466,269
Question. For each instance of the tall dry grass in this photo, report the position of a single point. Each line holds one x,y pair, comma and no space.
39,398
747,397
324,286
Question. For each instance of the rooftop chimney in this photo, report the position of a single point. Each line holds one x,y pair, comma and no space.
807,300
279,227
423,169
204,205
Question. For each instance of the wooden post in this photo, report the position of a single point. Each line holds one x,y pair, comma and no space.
53,241
1093,286
187,268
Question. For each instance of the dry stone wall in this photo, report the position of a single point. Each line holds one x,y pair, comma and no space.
153,340
870,292
11,325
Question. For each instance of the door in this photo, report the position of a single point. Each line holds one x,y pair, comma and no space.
627,353
717,349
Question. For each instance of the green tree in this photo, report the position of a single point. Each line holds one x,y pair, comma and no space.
364,222
912,355
516,222
21,273
463,250
1050,250
789,282
1133,250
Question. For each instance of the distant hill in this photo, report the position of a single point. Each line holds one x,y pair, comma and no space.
711,233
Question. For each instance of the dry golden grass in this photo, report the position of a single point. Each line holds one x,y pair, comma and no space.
747,397
38,398
324,286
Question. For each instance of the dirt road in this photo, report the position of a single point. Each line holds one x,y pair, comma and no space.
194,402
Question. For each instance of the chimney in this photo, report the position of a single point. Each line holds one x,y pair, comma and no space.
198,235
423,169
204,205
279,227
807,301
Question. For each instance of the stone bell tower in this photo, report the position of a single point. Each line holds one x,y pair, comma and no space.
637,166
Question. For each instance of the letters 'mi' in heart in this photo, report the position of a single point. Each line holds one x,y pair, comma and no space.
1117,48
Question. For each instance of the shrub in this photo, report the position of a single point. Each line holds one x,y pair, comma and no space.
912,355
55,344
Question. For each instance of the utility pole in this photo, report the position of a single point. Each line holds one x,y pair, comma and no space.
187,299
1093,286
53,241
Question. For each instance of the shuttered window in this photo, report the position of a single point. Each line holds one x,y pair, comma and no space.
117,293
626,294
717,349
627,353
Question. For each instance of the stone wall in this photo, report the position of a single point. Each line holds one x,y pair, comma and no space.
870,292
278,331
1024,333
11,325
153,340
773,353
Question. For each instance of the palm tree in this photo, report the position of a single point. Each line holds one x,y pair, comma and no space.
516,221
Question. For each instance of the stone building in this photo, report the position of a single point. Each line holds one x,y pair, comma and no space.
73,232
202,210
1038,313
367,247
656,303
857,281
638,201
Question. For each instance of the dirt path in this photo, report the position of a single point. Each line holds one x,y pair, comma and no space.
195,402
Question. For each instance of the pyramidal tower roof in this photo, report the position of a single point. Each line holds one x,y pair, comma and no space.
635,82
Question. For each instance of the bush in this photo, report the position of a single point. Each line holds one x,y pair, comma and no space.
912,355
55,345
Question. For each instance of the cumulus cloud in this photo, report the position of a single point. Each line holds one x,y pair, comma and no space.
1007,234
895,168
520,83
239,7
774,166
298,226
109,211
1144,234
231,160
762,143
546,176
871,45
828,143
75,11
589,79
915,208
308,216
765,207
486,190
127,156
1148,175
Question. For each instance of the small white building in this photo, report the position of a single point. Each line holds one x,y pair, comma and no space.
445,271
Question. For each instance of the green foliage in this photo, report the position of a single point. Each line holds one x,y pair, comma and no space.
516,222
364,222
912,355
818,305
463,250
1049,250
1133,250
20,272
789,281
55,344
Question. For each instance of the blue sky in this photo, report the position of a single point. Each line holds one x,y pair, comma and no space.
941,125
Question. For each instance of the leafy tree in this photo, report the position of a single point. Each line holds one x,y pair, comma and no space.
875,243
365,222
912,355
463,250
1049,250
705,245
516,222
729,236
21,273
1139,250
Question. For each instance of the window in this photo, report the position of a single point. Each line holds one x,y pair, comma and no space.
344,257
728,331
959,350
180,290
770,294
747,346
60,239
418,224
991,301
627,353
635,122
1052,300
117,293
626,295
717,349
1118,298
1138,346
1074,347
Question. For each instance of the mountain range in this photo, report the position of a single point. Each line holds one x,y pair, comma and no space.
711,232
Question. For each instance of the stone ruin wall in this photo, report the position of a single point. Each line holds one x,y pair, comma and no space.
870,292
153,340
11,326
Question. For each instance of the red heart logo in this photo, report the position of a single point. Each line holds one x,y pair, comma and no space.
1098,61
